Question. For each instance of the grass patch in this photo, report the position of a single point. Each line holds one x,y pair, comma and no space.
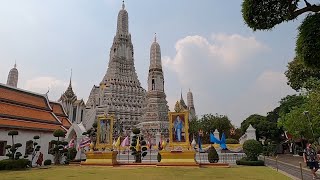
161,173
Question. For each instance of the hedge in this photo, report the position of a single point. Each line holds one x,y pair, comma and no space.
246,162
47,162
9,164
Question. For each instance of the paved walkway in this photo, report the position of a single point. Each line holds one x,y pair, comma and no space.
290,165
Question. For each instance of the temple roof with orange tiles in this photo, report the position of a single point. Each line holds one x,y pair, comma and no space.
21,109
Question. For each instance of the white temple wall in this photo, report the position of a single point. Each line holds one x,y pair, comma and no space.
23,137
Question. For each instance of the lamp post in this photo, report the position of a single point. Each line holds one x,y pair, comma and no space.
306,113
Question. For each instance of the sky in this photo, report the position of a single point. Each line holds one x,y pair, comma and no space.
206,47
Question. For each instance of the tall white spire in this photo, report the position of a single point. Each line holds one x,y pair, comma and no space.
122,25
190,102
155,55
120,92
13,76
157,108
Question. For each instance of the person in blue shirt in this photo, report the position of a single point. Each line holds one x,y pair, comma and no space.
178,126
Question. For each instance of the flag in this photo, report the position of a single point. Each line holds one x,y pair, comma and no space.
71,143
164,144
125,142
193,143
117,144
84,142
138,146
223,141
149,144
214,139
199,143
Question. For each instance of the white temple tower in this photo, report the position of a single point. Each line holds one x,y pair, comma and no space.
13,77
156,116
192,111
120,92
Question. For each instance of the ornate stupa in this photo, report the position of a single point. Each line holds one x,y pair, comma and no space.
13,77
192,110
155,118
120,92
182,103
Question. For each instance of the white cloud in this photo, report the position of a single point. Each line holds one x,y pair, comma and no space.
226,74
42,84
225,51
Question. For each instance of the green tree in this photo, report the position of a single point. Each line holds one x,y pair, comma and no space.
290,102
138,146
297,123
208,123
266,14
58,149
34,149
12,149
194,127
299,75
264,128
273,115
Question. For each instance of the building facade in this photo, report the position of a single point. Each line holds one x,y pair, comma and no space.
73,106
31,114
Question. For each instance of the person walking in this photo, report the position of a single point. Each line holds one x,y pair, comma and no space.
310,157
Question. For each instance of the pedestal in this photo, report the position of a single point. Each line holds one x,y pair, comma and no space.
177,158
101,158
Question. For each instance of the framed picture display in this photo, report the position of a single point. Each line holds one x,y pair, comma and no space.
179,129
104,132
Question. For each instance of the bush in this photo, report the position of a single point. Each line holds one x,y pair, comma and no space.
136,131
213,156
252,149
47,162
246,162
159,157
232,141
9,164
72,153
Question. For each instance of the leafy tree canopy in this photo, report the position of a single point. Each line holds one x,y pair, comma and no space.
265,14
300,76
297,123
290,102
58,133
264,128
209,123
308,42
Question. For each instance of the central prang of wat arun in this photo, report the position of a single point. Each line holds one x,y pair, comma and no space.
120,92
